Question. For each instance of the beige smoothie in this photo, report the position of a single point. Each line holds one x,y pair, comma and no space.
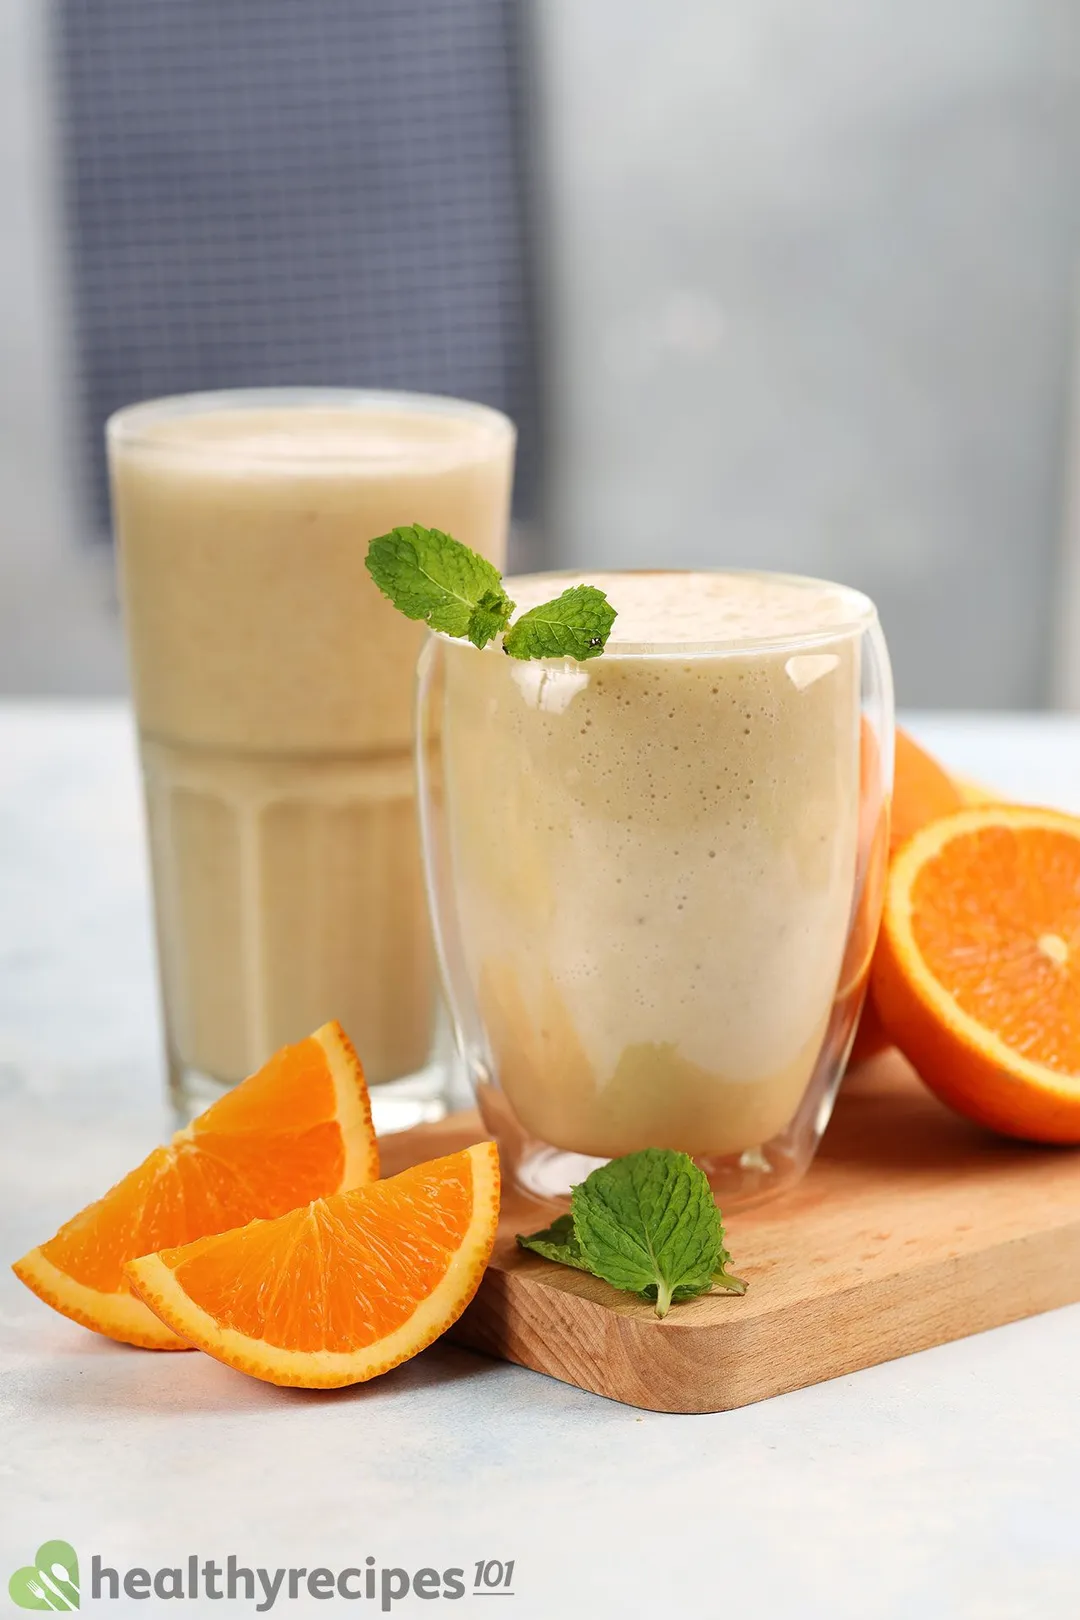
273,691
653,856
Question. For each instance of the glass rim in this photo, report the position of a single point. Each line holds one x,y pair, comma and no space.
864,617
132,424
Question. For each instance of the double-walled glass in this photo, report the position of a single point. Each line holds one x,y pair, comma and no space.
656,883
273,689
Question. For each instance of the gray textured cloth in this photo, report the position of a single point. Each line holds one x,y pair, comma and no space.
296,191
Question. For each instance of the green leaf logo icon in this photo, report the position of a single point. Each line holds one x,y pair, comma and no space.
50,1582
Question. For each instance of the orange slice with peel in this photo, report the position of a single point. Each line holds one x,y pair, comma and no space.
977,971
343,1289
298,1129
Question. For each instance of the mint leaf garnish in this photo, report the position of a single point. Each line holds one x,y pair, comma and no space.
557,1242
431,576
488,617
646,1223
575,625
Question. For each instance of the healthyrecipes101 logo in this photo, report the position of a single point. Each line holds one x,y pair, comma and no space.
52,1581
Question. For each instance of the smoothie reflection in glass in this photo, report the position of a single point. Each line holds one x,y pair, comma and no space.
273,693
656,875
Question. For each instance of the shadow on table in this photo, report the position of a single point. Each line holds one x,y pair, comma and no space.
96,1375
888,1121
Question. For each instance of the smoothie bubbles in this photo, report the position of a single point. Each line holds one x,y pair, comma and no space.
273,695
656,875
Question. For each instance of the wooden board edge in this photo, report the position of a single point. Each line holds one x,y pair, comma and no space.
719,1366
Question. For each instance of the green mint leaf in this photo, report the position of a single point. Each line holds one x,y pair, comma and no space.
488,617
648,1223
575,625
428,575
431,576
557,1242
724,1282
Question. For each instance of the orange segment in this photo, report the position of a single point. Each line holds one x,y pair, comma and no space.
977,973
343,1289
296,1130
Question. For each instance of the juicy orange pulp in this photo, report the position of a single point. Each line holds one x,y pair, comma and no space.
977,976
1011,961
299,1128
343,1289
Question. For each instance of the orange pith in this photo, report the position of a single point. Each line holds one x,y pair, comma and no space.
977,974
340,1290
296,1130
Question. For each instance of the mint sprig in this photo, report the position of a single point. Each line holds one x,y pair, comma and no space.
646,1223
428,575
431,576
575,625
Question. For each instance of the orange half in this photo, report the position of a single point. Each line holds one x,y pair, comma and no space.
298,1129
343,1289
977,971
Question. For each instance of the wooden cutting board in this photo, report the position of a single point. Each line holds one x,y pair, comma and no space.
911,1229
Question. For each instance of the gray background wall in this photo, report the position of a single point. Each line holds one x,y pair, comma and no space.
807,277
810,275
58,620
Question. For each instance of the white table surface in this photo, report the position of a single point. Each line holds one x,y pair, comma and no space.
946,1484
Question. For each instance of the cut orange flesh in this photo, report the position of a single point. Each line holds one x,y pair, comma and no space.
298,1129
343,1289
977,971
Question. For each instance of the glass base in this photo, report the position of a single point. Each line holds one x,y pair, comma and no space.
738,1181
396,1105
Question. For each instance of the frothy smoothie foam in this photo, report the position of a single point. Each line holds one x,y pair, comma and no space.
654,856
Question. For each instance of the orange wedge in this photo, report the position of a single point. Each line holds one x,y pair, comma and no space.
343,1289
298,1129
977,971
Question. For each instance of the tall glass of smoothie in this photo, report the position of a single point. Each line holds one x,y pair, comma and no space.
273,690
656,876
